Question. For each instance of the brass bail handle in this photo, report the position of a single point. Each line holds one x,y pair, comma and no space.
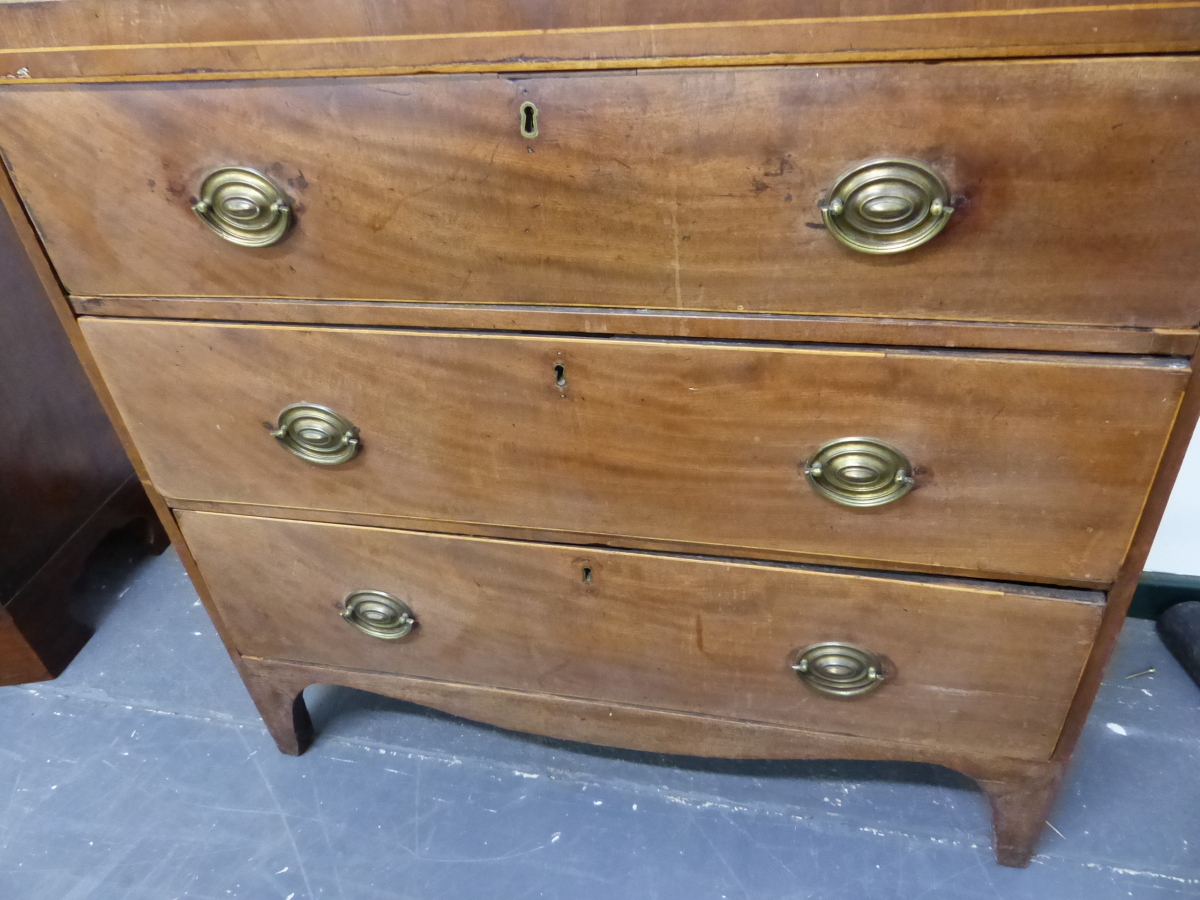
378,614
860,471
317,434
839,670
244,206
887,205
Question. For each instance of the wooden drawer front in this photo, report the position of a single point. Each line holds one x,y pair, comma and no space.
973,667
1026,466
693,189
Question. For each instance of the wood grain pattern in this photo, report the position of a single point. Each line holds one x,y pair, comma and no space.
1020,811
34,256
101,22
622,725
1131,569
569,536
656,323
1025,465
680,231
174,39
683,190
1019,790
712,637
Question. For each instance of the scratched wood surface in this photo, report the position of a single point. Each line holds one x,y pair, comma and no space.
1033,465
654,631
685,190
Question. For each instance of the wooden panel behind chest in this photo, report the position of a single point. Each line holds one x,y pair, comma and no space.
712,637
65,481
1028,466
60,460
690,189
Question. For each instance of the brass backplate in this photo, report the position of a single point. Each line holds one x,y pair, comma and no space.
378,614
860,471
839,670
244,206
887,205
317,434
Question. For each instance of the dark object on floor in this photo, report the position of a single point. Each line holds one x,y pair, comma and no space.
1159,591
1179,628
65,481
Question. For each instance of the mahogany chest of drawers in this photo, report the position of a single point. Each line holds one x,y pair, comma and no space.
652,377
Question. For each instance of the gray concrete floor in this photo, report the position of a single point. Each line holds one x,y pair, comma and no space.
144,773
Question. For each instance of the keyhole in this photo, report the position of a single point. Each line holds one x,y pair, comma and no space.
560,375
529,120
587,574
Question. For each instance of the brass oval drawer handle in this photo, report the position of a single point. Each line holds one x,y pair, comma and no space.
244,207
887,205
860,471
317,434
378,614
840,670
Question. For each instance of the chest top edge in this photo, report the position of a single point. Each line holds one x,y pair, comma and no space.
139,40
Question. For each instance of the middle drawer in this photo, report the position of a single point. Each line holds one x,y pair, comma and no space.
1024,466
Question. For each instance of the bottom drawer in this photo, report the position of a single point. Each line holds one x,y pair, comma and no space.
972,666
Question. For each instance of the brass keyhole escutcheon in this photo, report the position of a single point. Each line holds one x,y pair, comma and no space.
839,670
887,205
244,207
859,471
317,434
378,614
529,120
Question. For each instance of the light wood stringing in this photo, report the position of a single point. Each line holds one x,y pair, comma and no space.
1026,466
712,637
657,323
1123,589
680,190
179,40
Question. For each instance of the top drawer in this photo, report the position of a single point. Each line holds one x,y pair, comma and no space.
685,189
